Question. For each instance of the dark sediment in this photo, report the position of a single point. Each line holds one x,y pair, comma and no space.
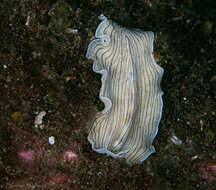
43,68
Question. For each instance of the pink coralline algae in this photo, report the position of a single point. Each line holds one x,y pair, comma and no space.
27,156
69,155
208,171
30,155
60,179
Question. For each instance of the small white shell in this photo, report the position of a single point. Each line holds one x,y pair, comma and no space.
175,140
52,140
39,119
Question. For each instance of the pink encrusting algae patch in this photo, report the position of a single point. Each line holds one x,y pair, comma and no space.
27,156
60,179
208,171
69,155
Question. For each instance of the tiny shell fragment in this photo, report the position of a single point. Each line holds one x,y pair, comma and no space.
39,119
175,140
130,91
52,140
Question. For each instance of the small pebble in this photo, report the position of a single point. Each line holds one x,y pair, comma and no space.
201,125
39,119
27,21
194,157
175,140
52,140
71,31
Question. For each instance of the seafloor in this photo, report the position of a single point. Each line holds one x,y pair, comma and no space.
43,68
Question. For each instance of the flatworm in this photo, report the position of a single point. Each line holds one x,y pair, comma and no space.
130,91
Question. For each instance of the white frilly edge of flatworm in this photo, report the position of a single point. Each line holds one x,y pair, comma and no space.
108,102
103,72
161,70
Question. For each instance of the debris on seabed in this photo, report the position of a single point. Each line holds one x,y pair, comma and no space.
147,2
36,54
52,140
194,157
71,31
201,125
17,115
188,122
39,119
27,21
175,140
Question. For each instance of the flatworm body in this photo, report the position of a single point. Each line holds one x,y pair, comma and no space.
130,91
